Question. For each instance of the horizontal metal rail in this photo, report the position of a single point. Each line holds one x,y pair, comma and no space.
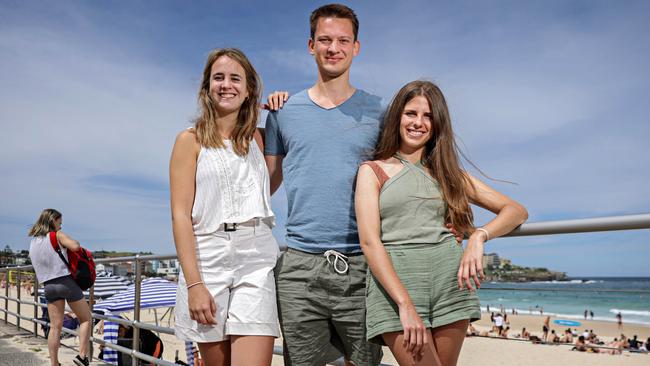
610,223
132,323
121,349
626,222
596,224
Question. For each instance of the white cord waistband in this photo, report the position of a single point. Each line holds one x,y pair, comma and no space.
337,256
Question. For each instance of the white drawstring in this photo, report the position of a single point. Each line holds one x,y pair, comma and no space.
337,256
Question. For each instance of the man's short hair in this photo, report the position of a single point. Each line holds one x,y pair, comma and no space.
334,11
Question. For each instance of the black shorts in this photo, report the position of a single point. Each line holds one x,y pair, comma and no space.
62,288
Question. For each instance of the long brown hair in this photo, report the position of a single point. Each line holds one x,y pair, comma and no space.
206,123
45,223
440,152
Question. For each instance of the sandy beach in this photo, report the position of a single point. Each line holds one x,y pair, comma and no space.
476,350
533,324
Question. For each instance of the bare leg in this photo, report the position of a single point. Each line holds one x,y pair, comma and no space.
215,353
251,350
82,311
55,312
395,341
448,340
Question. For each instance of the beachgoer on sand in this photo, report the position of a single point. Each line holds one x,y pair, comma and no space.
545,328
418,272
498,323
222,220
59,285
567,337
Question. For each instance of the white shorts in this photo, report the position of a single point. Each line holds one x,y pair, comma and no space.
237,268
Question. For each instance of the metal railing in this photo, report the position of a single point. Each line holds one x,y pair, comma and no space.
627,222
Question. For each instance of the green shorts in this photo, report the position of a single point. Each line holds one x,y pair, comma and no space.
322,312
429,273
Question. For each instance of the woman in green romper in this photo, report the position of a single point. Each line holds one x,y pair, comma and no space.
420,282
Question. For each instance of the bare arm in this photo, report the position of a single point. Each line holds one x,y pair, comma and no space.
367,210
67,242
274,164
510,214
182,180
258,135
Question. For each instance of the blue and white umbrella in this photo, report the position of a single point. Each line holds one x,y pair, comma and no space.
154,293
106,286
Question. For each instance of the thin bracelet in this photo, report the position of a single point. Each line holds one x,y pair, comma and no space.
194,284
487,234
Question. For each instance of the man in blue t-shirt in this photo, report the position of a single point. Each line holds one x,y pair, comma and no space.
315,144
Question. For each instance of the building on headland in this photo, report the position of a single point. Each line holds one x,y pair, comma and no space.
501,269
491,260
505,263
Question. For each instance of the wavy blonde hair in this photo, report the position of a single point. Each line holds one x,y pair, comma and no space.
206,123
45,223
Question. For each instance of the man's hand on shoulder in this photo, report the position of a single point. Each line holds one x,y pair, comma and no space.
276,100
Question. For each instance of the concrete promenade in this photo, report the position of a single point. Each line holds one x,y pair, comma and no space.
20,347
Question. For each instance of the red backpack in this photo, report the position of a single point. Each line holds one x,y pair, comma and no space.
80,263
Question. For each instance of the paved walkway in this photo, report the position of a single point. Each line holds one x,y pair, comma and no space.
20,347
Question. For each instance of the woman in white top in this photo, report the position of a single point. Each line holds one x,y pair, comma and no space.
59,285
222,220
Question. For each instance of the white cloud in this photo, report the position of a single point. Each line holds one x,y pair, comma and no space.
71,110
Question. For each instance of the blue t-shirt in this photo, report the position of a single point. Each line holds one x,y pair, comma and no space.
322,150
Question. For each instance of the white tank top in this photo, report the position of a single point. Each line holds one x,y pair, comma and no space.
230,188
47,263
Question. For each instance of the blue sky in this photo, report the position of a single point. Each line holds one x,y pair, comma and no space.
552,95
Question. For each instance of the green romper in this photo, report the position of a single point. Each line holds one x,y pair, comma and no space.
423,251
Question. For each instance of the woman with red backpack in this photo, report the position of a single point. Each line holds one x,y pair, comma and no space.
59,285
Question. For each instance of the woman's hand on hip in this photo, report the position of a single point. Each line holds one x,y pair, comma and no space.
471,265
201,305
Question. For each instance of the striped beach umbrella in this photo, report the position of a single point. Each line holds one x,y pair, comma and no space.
106,286
154,293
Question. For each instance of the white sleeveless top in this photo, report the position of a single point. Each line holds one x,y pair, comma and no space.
230,188
47,263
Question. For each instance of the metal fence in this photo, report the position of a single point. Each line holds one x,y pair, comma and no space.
612,223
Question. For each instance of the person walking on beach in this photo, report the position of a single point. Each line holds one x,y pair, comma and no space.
619,320
586,312
545,328
314,144
416,299
58,283
222,219
591,314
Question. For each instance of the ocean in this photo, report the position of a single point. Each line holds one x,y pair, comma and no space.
569,299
